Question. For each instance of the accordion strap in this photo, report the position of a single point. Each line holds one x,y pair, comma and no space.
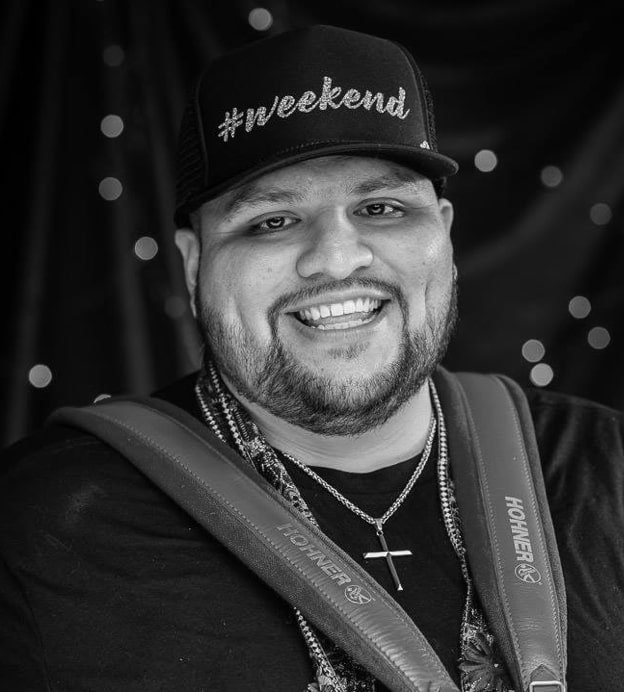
506,523
237,506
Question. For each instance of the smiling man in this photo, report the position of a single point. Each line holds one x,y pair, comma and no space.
380,524
349,300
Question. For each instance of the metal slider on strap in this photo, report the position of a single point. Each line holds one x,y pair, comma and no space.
547,686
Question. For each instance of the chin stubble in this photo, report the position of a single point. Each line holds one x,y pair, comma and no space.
275,380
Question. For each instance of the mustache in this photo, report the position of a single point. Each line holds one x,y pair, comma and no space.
311,292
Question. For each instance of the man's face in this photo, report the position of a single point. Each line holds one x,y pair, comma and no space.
325,290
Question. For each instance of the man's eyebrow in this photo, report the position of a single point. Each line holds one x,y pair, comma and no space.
389,180
251,194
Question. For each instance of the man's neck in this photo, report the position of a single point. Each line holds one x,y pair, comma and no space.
401,437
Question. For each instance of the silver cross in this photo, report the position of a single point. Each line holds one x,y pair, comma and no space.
388,554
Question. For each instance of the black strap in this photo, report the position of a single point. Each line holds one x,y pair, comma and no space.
236,505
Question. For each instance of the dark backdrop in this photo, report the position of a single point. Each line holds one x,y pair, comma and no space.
539,84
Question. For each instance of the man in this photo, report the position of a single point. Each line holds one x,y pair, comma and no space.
316,246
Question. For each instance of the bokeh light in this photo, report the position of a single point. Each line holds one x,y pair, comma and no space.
598,338
113,55
551,176
541,375
110,189
600,214
533,350
485,160
112,126
40,376
579,307
146,248
260,19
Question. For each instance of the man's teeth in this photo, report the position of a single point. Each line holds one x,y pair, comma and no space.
363,310
344,325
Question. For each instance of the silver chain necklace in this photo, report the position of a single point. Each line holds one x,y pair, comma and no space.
475,639
378,523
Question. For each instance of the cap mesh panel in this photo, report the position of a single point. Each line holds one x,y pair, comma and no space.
190,166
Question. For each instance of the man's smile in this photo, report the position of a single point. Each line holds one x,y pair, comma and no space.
345,314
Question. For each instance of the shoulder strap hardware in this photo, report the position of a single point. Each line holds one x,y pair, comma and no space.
547,686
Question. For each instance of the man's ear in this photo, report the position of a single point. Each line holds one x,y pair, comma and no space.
189,246
447,212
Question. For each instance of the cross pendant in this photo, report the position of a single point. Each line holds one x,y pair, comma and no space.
388,554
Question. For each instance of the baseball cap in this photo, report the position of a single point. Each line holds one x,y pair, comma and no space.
315,91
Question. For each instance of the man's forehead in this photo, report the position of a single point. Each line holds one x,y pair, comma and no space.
358,175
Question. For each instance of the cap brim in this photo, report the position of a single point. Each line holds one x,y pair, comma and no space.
429,163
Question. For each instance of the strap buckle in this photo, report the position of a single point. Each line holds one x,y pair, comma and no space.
547,686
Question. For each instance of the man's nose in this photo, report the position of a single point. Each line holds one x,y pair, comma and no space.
335,248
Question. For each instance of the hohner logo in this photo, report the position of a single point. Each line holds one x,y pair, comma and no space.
519,529
306,546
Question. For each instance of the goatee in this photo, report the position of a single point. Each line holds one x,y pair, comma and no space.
274,379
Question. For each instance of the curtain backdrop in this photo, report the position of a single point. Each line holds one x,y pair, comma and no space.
537,85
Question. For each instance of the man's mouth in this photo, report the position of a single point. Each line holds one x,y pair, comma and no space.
342,315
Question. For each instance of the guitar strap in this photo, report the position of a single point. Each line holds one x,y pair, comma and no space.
507,531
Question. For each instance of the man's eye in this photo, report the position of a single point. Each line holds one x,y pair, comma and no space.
380,209
272,223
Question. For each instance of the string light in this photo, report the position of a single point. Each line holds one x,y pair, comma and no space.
111,126
598,338
146,248
40,376
533,350
600,214
541,375
485,160
110,189
579,307
551,176
260,19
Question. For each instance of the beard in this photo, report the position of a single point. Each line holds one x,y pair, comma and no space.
273,378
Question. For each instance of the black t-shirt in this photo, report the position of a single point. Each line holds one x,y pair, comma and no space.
106,584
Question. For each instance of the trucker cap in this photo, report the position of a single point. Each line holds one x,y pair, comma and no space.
314,91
